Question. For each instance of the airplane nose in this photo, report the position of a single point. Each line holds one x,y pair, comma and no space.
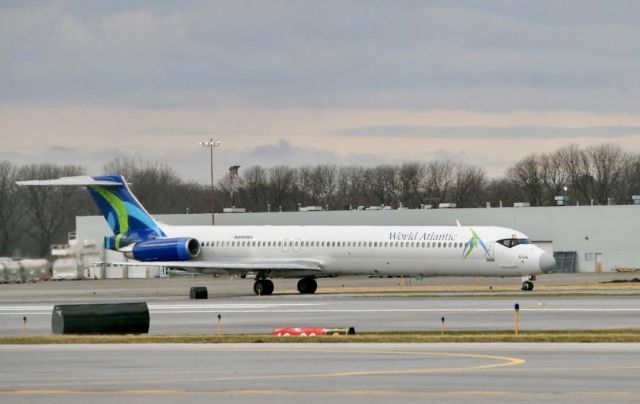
547,262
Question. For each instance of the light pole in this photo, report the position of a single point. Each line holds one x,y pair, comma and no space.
211,144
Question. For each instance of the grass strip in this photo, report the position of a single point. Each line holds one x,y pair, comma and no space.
591,336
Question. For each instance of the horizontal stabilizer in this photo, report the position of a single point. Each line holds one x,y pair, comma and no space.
83,180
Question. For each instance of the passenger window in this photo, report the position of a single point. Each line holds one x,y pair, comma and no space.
279,243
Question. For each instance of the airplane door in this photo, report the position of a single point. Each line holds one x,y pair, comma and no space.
599,262
285,245
506,258
296,245
489,253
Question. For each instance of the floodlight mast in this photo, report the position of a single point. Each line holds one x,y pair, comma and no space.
211,144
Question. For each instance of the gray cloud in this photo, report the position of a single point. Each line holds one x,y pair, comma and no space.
477,132
490,55
193,164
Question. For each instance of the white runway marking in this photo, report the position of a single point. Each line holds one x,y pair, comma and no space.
195,308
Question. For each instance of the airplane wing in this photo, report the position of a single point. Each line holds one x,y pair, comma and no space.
307,265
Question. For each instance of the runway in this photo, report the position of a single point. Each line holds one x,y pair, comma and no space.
366,313
319,372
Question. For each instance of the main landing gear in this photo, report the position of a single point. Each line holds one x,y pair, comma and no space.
527,285
307,286
263,287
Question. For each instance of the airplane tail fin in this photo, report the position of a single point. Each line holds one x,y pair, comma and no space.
127,218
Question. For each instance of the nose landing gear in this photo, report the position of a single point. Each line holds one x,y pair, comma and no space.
527,285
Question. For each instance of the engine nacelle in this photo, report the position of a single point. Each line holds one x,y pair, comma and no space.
166,249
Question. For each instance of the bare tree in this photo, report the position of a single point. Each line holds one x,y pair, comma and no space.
351,187
607,166
10,230
252,189
576,167
382,184
50,210
411,179
438,181
554,177
280,187
526,176
630,181
156,185
469,185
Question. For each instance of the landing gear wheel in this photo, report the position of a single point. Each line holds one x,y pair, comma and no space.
527,285
263,287
307,286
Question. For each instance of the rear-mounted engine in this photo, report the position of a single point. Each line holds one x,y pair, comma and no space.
166,249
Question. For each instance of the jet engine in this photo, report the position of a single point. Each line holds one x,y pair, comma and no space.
166,249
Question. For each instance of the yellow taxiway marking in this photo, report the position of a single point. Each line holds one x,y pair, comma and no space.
500,361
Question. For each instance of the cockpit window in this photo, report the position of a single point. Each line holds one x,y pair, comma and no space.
512,242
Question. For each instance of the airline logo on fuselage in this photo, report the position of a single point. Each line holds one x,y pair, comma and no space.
421,236
473,242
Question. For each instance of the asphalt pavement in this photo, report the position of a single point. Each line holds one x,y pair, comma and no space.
288,373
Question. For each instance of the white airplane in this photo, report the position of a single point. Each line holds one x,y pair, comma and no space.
308,252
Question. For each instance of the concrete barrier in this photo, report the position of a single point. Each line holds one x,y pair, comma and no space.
198,292
109,318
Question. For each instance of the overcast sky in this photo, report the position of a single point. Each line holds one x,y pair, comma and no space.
307,82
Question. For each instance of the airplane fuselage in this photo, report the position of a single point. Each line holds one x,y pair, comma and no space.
371,250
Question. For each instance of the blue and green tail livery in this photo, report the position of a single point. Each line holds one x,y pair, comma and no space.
126,217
